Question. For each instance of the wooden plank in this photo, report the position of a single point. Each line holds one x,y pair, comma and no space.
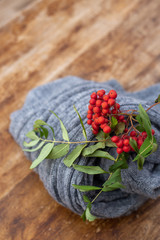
41,41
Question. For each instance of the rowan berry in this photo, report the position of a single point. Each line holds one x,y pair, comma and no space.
117,106
153,132
90,112
89,122
90,107
98,103
94,126
106,98
114,111
107,129
112,94
120,143
144,134
104,105
96,115
140,138
100,93
126,142
126,130
134,138
96,121
119,150
96,109
111,102
92,101
101,120
94,95
89,116
121,118
103,125
126,148
140,142
115,139
124,121
95,132
133,134
105,111
125,137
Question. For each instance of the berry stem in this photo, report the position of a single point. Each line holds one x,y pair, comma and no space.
133,125
152,106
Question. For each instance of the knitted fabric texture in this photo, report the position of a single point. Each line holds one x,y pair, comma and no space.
60,96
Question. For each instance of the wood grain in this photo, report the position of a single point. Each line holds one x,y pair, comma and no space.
41,41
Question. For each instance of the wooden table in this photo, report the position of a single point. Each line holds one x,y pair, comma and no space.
41,41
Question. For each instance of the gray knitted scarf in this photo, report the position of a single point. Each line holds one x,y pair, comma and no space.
60,96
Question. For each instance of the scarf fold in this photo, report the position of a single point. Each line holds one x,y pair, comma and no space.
60,96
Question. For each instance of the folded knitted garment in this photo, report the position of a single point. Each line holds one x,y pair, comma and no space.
59,96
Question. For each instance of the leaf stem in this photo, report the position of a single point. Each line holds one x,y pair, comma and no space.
101,189
97,195
54,141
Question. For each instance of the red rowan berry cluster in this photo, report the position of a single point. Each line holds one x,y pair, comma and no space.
100,110
123,144
101,107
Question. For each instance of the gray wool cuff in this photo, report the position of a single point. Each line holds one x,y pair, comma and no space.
60,96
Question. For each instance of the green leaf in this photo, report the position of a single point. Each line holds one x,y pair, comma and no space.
115,177
59,151
122,164
45,131
133,144
64,131
69,160
43,154
31,144
140,128
102,154
89,216
83,216
119,128
114,122
41,133
113,187
158,99
84,130
140,162
146,121
146,147
109,143
38,123
89,169
86,199
138,118
32,135
85,188
91,149
34,149
154,148
100,136
143,114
